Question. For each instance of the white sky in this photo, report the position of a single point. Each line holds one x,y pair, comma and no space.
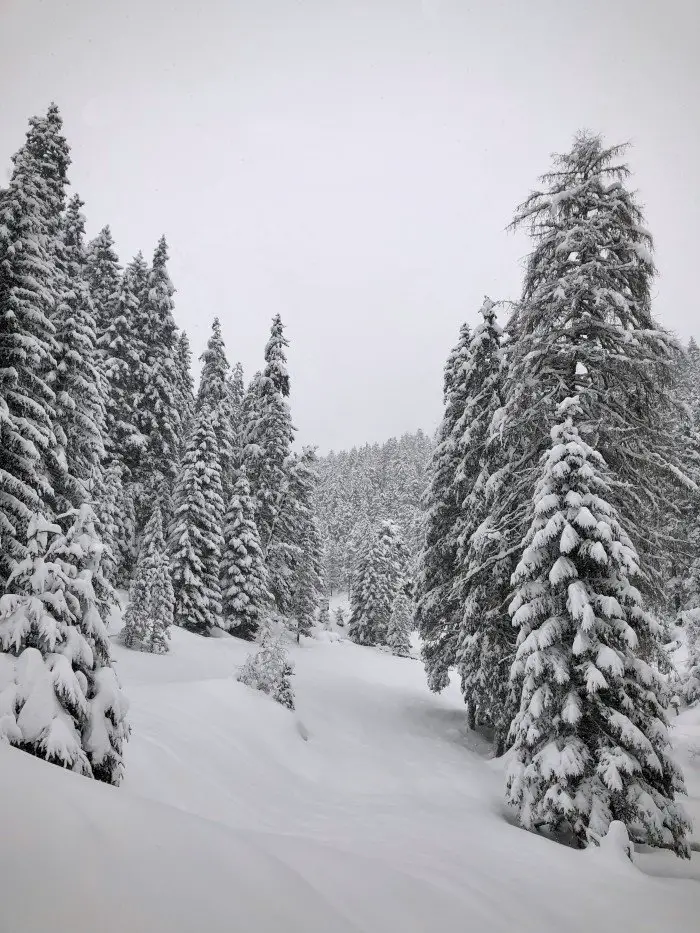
353,164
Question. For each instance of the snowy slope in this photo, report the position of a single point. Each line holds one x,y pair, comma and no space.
369,809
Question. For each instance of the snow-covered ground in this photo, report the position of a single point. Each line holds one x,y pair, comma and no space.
371,808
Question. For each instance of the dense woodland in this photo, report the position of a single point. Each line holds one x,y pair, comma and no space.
543,545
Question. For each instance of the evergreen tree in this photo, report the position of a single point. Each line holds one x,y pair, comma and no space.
158,415
437,607
308,579
195,539
214,390
485,643
28,226
692,680
149,615
268,435
244,581
185,384
586,304
372,594
62,700
77,382
103,274
269,669
123,360
340,617
400,626
116,514
590,739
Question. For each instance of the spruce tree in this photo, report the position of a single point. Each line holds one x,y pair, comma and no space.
185,385
244,581
158,416
590,739
28,272
586,303
123,361
400,626
195,539
340,617
149,615
62,697
214,390
485,641
117,524
372,595
79,408
103,274
268,435
437,608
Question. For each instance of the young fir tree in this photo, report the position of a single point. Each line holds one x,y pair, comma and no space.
195,539
400,626
149,615
270,669
340,617
244,582
214,390
78,385
185,384
485,641
103,274
590,739
437,608
123,362
294,556
61,697
28,285
372,594
117,524
158,417
268,436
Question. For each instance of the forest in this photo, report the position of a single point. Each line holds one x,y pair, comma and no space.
540,550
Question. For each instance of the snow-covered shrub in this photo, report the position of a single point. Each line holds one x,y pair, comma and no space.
270,669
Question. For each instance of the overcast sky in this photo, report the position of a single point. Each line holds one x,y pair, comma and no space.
353,164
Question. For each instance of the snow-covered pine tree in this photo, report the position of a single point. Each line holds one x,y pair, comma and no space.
62,699
268,435
195,538
307,591
437,608
158,416
340,617
116,513
123,362
185,385
324,614
397,553
270,669
78,385
586,302
400,626
214,390
149,615
103,274
485,639
244,581
373,592
28,272
590,740
691,689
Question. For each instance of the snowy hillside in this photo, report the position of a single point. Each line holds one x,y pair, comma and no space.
370,808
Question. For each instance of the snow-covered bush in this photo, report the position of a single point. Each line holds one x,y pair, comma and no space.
270,669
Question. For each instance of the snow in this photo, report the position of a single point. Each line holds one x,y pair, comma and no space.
370,808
